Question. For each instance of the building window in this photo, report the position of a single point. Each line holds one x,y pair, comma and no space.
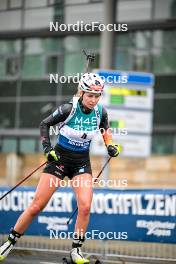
152,51
51,45
163,144
51,64
8,89
27,145
42,56
164,61
9,145
164,51
123,59
12,66
10,47
74,61
165,102
32,118
2,67
7,120
140,60
38,88
33,66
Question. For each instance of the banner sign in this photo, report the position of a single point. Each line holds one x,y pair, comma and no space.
133,92
128,98
132,78
133,215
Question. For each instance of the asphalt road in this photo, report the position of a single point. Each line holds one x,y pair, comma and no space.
44,257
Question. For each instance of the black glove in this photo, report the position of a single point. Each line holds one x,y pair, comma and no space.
113,150
51,154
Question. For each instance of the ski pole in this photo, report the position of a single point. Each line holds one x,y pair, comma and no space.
104,166
20,182
90,57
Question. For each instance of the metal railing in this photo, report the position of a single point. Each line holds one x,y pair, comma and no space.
110,250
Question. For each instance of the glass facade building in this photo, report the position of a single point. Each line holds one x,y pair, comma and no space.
29,52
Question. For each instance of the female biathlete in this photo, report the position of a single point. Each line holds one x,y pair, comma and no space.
79,119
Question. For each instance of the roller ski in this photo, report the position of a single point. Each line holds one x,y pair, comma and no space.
69,261
93,259
76,257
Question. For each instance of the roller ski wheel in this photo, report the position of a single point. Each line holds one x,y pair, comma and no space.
98,262
66,261
93,259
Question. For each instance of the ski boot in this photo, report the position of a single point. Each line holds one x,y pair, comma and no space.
76,256
7,246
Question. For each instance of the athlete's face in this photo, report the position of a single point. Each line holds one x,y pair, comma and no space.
90,100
